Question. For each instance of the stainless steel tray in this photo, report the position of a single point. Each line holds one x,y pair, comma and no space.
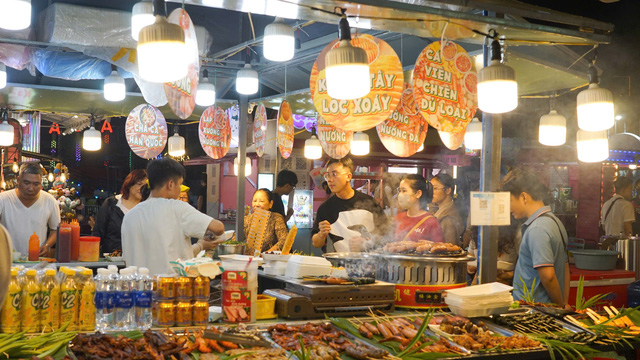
569,328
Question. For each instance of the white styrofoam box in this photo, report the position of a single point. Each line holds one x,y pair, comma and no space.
480,311
275,267
478,292
488,301
300,266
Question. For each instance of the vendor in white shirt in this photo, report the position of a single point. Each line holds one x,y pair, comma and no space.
27,209
158,230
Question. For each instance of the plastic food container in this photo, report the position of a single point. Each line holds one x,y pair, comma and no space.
479,293
266,308
592,259
479,311
89,248
300,266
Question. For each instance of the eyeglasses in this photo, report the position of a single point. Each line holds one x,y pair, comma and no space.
332,174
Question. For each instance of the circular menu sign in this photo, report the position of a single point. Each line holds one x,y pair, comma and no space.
214,132
405,129
146,131
450,140
335,142
285,129
444,86
366,112
260,129
181,94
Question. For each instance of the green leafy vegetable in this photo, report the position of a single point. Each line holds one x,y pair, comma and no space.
581,303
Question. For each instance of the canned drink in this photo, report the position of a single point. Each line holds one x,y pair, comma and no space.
166,287
184,288
201,288
166,315
184,313
200,313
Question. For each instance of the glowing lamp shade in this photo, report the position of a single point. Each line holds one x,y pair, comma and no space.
312,148
15,14
497,88
595,109
141,16
114,89
6,134
247,81
206,94
593,146
247,166
162,52
360,144
421,147
347,72
3,76
50,177
553,129
91,139
473,135
279,42
633,167
176,145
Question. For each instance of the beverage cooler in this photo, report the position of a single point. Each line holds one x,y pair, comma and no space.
614,282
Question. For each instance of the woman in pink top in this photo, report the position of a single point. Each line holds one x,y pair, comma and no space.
414,195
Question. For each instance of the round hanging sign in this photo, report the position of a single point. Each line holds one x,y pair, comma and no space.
146,131
285,129
405,129
335,142
444,86
214,132
260,129
366,112
181,94
450,140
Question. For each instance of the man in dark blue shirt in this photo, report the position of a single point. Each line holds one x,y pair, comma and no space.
285,183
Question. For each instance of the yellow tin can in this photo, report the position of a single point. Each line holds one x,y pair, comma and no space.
201,288
166,313
184,288
165,287
184,313
200,313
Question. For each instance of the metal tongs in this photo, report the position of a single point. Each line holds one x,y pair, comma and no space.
250,340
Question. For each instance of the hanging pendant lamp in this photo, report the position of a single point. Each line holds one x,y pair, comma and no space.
347,67
247,166
360,144
593,146
247,80
141,16
114,88
206,94
91,138
312,146
553,129
497,86
15,14
595,105
176,144
278,43
473,135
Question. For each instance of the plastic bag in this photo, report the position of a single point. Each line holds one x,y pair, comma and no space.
70,66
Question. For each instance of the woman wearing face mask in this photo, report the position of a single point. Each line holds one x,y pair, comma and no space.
447,214
414,194
276,231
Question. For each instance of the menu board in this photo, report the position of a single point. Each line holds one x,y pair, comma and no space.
214,132
181,94
146,131
405,129
445,86
285,129
260,129
302,208
366,112
335,142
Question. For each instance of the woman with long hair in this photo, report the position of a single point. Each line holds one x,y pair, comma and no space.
416,223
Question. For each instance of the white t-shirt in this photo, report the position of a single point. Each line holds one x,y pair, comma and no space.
621,212
158,230
22,221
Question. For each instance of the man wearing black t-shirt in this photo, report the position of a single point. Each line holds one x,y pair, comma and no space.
285,183
349,215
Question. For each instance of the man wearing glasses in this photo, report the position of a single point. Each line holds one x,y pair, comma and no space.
349,215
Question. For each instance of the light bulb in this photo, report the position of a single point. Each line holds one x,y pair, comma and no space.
91,139
553,129
247,166
206,94
595,109
497,86
176,145
279,43
141,16
360,144
421,147
593,146
6,134
633,166
247,81
473,135
3,76
15,168
312,148
15,14
50,177
63,178
163,55
114,88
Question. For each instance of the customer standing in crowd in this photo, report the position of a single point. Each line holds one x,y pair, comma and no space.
543,256
349,215
158,230
617,214
27,209
276,231
109,219
202,195
285,183
416,223
447,213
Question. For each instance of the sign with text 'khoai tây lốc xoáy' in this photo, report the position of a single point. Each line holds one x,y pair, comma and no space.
335,142
285,129
260,129
444,86
214,132
364,113
146,131
181,94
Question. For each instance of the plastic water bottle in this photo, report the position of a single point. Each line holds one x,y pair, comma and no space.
144,291
125,288
100,298
109,310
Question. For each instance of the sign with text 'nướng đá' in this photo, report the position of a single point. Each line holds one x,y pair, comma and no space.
214,132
